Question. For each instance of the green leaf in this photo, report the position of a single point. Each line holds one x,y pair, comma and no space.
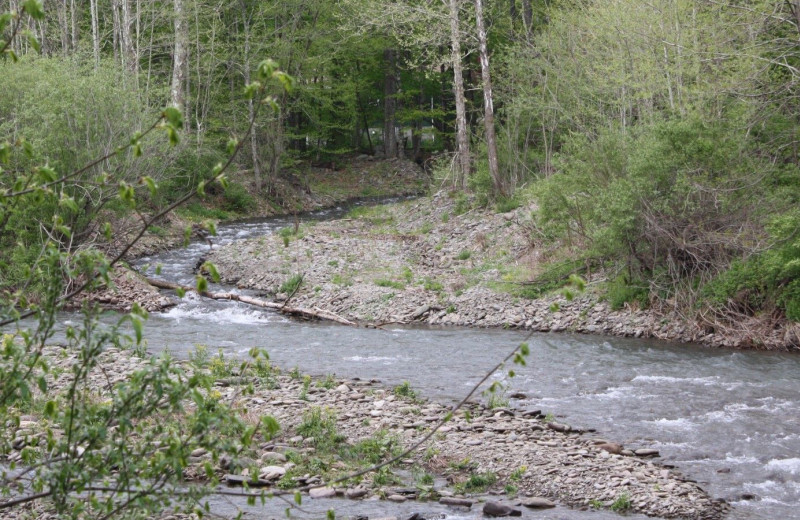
265,69
151,185
42,383
46,174
331,515
298,498
34,8
5,153
270,427
201,284
50,409
201,188
174,117
107,231
68,202
12,55
212,270
137,329
231,146
180,292
251,90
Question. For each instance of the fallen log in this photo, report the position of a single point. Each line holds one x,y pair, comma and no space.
314,313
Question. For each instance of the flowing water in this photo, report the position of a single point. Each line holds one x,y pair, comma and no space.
730,420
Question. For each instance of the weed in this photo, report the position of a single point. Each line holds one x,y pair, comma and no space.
295,373
510,490
333,263
390,283
321,426
291,285
518,473
622,503
328,382
464,255
306,386
595,504
549,418
445,218
477,482
404,390
432,285
426,228
339,279
408,275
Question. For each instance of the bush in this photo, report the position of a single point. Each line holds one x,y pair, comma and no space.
238,199
620,291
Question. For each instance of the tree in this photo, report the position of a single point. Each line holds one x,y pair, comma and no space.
488,104
126,452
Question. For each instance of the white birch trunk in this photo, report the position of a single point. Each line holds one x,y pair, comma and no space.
488,104
462,132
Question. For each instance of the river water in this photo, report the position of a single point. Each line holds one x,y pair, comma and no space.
730,420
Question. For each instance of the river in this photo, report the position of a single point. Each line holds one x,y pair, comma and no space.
728,419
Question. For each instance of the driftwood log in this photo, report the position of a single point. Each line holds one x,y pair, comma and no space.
314,313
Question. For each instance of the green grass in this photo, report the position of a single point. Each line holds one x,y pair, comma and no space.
622,503
291,285
390,283
404,390
464,255
477,483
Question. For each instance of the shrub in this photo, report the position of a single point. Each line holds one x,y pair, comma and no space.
237,198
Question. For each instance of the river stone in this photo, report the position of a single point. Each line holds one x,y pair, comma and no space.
354,493
495,509
322,492
646,453
271,472
396,498
563,428
611,447
453,501
273,456
538,503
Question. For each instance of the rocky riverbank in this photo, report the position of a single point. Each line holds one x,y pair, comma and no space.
515,459
435,261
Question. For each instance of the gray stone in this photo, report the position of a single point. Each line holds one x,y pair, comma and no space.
322,492
496,509
646,453
538,503
453,501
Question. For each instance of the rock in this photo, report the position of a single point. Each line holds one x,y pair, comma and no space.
420,311
396,498
495,509
271,472
538,503
646,453
199,452
273,456
322,492
354,493
611,447
342,388
452,501
563,428
241,480
517,395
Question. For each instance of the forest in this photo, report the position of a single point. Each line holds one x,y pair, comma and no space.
659,139
656,143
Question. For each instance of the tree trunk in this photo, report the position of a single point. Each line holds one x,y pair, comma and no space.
128,54
488,105
73,17
116,40
462,132
63,27
390,148
527,15
177,97
250,106
95,32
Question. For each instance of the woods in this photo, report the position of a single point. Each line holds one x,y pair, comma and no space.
652,146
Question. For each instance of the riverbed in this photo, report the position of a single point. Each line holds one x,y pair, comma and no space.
728,419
